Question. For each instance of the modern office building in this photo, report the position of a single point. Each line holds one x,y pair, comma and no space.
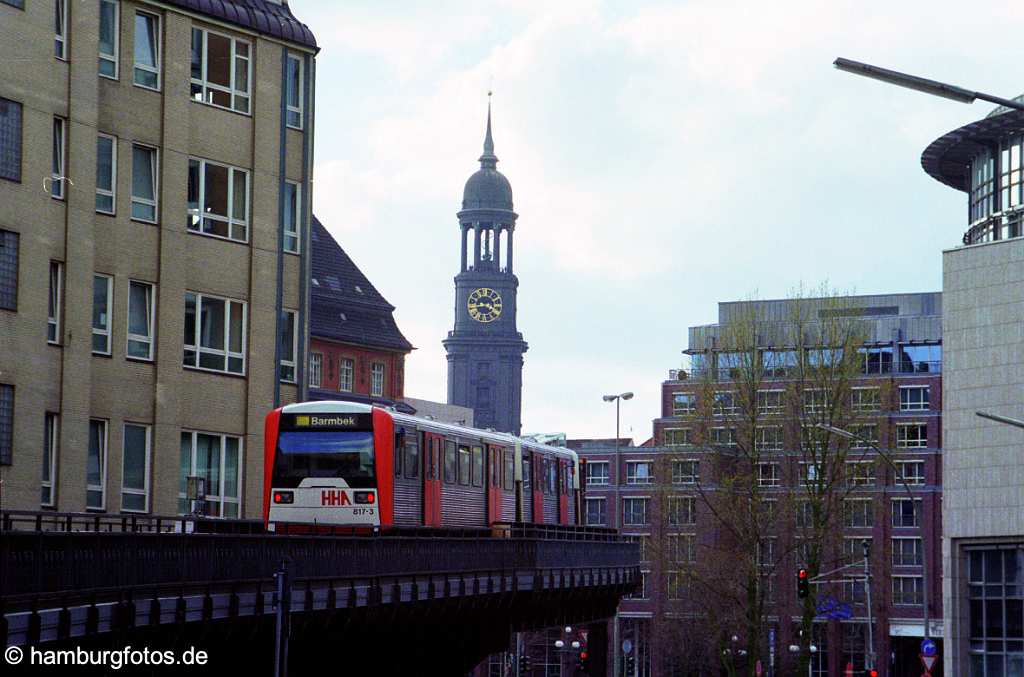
155,175
654,493
983,291
485,349
357,351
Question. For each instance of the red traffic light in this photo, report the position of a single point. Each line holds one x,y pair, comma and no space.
802,575
583,655
873,673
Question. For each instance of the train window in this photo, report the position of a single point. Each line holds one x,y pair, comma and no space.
399,440
478,466
431,447
526,472
450,463
493,456
464,466
412,457
544,465
510,469
552,478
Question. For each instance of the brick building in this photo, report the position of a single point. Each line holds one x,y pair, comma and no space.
356,350
155,177
654,494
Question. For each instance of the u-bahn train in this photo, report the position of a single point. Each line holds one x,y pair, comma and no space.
344,464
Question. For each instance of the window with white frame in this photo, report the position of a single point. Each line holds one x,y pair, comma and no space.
634,511
102,302
910,472
866,436
683,404
768,438
853,549
911,435
51,433
141,319
860,473
854,591
60,29
906,552
597,512
865,400
58,163
147,50
724,403
770,401
218,200
804,514
639,472
597,473
292,215
135,468
289,344
109,35
906,512
316,366
377,379
145,171
641,590
96,466
682,510
214,333
676,583
682,548
907,590
678,437
766,552
809,473
858,512
346,374
723,437
685,471
815,401
293,91
221,69
768,475
914,398
53,303
217,459
106,173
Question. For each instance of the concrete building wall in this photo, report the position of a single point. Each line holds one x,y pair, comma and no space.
983,286
68,379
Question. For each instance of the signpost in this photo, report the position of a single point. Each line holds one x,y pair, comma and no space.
929,656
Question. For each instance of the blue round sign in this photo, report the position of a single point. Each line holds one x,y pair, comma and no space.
928,648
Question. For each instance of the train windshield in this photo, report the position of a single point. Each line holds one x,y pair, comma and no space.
347,455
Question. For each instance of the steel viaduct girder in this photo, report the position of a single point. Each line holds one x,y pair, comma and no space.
402,603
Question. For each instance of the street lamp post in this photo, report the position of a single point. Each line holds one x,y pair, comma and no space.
903,480
1001,419
618,510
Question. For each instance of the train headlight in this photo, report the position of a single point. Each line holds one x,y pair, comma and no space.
365,497
284,497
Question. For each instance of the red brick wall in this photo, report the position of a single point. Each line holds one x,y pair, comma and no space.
333,353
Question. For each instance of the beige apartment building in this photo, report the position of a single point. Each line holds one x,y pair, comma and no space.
155,168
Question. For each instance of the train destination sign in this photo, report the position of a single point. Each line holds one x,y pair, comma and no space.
327,422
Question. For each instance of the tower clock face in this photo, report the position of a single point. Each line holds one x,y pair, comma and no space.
484,305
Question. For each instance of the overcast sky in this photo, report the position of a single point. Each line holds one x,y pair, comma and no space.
663,157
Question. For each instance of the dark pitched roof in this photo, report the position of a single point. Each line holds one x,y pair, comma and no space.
345,306
262,16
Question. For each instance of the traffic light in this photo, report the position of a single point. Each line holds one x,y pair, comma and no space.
582,664
803,586
524,665
630,665
872,673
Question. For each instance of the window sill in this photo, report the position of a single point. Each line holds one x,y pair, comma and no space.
200,233
157,89
113,78
223,108
213,371
145,221
143,360
55,344
297,129
103,213
293,253
96,354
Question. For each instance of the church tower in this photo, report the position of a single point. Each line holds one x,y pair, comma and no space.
485,350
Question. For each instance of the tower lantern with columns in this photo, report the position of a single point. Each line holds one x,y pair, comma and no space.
485,350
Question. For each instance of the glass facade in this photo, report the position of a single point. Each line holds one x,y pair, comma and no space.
995,594
995,195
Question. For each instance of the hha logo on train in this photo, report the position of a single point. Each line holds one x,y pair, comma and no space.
334,497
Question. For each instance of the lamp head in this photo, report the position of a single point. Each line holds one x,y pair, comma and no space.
610,398
627,396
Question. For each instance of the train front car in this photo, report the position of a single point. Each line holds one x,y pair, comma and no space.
327,465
